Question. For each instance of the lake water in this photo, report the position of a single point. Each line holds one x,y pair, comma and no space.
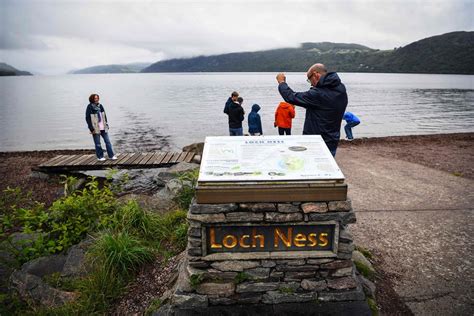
168,111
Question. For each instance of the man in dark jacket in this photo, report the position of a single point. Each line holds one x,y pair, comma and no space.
236,115
325,103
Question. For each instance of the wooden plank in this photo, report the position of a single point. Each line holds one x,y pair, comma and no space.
181,157
83,160
66,160
89,161
152,158
145,159
61,158
175,157
167,158
78,159
189,157
123,157
130,158
159,158
52,161
315,194
111,162
137,157
136,161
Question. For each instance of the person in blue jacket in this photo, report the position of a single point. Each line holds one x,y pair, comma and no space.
352,121
255,123
325,103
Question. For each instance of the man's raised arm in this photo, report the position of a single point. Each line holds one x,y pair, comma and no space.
303,99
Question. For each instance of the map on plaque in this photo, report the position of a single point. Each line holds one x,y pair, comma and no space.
267,159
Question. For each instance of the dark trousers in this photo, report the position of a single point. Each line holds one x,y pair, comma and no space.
236,131
348,129
283,131
98,148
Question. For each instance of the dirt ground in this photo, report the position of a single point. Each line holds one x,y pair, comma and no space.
452,153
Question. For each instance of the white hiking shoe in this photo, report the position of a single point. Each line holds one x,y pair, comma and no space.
113,158
101,159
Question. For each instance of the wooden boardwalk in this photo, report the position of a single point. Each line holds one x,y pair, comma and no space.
125,161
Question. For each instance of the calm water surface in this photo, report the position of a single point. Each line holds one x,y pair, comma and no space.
168,111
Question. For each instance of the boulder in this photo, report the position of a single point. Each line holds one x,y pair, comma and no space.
31,287
44,265
197,148
75,261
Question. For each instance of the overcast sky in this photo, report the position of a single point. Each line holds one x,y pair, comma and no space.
54,37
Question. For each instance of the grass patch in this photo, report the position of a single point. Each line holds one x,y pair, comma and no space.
120,253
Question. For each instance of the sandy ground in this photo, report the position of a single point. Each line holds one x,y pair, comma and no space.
414,201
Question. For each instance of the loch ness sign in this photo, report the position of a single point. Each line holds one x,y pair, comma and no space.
227,238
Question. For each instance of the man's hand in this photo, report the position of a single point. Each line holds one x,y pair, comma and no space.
281,77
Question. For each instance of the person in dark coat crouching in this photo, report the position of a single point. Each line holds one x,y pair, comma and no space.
325,103
98,126
255,123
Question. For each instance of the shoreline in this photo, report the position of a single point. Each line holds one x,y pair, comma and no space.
452,153
342,143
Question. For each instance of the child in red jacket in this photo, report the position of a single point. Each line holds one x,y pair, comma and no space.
284,114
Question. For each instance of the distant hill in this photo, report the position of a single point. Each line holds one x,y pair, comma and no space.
7,70
112,69
448,53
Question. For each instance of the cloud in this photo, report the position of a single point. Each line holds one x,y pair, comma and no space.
56,36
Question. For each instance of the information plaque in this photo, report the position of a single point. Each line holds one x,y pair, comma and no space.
267,159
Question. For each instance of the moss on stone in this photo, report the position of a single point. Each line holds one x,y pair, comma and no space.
365,270
365,252
373,306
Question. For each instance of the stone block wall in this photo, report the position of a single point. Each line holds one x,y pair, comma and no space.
263,278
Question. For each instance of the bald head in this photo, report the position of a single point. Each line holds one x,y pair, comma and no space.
315,72
319,68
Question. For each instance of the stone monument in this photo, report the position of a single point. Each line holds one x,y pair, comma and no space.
268,252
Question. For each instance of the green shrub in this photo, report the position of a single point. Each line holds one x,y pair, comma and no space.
120,253
188,181
14,206
126,237
65,223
